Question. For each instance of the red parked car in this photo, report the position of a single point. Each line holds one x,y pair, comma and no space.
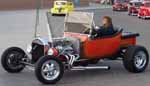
120,5
97,1
134,7
144,11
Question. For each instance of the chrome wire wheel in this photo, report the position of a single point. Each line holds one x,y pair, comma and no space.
50,70
140,59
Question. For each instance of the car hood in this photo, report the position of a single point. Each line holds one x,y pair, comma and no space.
148,8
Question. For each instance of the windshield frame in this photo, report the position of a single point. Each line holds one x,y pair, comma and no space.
137,4
120,1
62,3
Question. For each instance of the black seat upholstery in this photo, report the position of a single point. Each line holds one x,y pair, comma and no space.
117,31
129,35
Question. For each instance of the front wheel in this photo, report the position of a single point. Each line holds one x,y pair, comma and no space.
11,60
49,70
139,16
136,59
144,17
53,14
129,14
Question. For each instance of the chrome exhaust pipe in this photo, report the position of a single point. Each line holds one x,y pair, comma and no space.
90,67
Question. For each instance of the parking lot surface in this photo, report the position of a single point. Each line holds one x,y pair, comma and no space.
17,29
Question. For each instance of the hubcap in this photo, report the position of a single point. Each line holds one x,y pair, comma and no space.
140,59
50,70
13,60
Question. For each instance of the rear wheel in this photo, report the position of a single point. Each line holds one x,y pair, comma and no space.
53,14
136,59
129,13
49,70
11,59
114,9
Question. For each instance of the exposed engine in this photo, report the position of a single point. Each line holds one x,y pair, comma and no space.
69,47
65,46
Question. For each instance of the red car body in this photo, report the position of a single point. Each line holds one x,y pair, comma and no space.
144,11
120,6
134,8
103,44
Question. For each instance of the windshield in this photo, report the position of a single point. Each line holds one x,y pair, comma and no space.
147,4
120,1
78,21
138,4
61,3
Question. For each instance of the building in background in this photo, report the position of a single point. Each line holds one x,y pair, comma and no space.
30,4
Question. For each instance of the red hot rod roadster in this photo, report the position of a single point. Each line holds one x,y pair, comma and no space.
74,50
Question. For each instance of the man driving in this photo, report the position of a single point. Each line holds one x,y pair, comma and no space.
106,29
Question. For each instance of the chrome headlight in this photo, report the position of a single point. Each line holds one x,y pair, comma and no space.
53,52
50,51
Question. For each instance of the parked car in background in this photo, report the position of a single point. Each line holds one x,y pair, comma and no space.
120,5
97,1
144,11
62,7
134,7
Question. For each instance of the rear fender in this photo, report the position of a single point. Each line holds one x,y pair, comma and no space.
129,38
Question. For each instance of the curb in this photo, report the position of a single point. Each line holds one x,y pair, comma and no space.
92,8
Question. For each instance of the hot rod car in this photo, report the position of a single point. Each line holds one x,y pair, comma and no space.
75,49
144,11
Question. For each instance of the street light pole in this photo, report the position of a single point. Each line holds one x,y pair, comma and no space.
38,5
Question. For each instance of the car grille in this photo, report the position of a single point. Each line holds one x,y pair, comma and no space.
37,51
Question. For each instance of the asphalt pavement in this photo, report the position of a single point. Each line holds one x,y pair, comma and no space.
17,28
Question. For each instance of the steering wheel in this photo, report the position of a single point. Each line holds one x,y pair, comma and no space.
94,34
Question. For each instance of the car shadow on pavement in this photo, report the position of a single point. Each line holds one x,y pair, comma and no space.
27,77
